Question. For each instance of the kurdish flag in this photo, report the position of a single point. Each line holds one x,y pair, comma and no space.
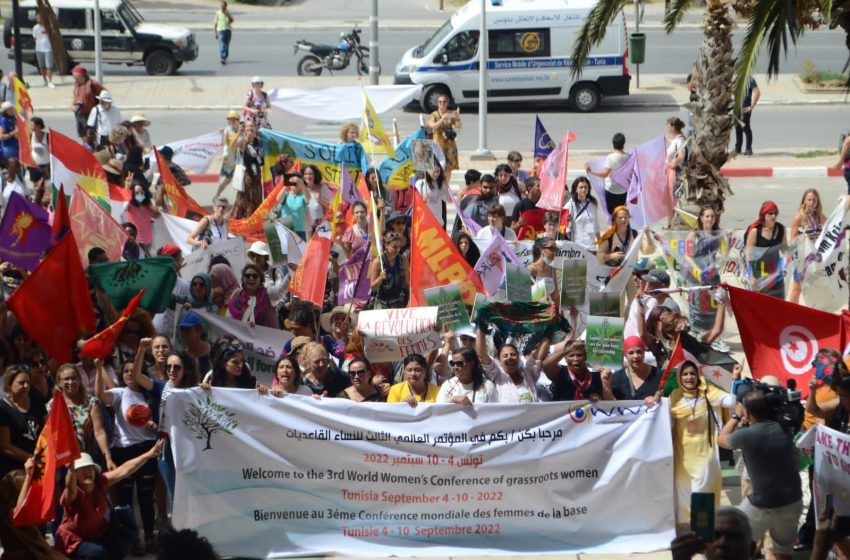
715,367
72,165
373,136
23,113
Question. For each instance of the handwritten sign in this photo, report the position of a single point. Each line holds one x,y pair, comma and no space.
392,334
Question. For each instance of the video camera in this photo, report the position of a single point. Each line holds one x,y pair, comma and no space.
785,405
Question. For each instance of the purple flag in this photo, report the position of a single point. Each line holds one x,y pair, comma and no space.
24,232
645,173
350,194
471,225
354,278
543,144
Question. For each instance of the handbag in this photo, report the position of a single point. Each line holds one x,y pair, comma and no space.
238,180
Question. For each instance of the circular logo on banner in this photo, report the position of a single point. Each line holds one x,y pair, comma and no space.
530,42
797,347
77,44
579,413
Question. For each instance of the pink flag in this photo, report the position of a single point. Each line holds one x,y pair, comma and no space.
553,179
95,227
645,172
491,266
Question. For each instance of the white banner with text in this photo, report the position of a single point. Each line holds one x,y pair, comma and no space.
261,476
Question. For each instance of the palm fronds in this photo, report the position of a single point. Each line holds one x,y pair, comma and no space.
673,18
593,32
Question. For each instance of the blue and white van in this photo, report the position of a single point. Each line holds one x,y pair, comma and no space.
529,59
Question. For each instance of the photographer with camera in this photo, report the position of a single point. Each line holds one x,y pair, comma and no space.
769,453
444,124
86,91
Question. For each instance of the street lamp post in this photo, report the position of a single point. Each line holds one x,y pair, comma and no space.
98,52
374,65
16,31
482,152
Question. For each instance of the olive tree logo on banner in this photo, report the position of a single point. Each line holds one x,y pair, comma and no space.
207,417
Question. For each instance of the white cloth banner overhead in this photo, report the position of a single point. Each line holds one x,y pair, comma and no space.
168,228
390,335
196,153
261,346
341,103
832,466
261,476
232,249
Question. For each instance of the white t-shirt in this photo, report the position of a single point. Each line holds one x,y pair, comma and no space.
42,39
583,223
509,200
104,120
613,162
454,388
486,233
123,401
434,198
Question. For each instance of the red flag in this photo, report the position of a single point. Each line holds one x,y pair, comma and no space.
434,259
782,338
95,227
53,305
61,218
533,225
308,282
252,226
553,179
844,333
56,447
178,202
100,345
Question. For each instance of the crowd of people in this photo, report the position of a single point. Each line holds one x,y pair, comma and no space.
117,403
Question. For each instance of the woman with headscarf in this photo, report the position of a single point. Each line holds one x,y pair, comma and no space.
765,241
223,282
697,412
638,380
614,243
200,294
251,304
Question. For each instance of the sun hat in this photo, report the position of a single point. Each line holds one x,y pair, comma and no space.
326,318
84,461
114,166
233,115
6,106
140,118
260,248
105,96
257,80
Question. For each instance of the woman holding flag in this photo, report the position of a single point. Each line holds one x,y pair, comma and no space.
614,243
389,277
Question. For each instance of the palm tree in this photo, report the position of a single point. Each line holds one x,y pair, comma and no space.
721,82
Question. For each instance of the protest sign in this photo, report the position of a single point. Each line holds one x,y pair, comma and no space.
199,260
266,477
574,283
832,467
604,341
604,304
423,155
391,334
453,312
261,346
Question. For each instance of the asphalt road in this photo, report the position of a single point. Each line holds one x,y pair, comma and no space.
270,52
813,126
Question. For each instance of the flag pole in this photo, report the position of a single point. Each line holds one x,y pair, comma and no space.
642,201
374,204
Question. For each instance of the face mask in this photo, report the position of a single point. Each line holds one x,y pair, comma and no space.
548,261
139,198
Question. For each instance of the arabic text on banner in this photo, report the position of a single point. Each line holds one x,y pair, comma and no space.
262,476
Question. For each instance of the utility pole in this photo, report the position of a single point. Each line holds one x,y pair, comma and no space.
16,32
98,51
374,65
482,152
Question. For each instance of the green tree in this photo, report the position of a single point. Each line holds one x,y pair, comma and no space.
207,417
721,82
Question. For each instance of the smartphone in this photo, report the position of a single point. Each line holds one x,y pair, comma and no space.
702,515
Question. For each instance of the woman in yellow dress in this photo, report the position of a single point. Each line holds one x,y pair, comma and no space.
698,410
444,124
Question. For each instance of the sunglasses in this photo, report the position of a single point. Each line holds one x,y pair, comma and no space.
771,213
357,372
250,276
454,363
173,367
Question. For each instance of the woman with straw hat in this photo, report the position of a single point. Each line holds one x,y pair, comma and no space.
229,136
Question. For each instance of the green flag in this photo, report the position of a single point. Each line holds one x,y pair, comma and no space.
123,280
518,317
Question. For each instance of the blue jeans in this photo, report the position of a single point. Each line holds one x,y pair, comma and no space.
224,43
167,470
115,543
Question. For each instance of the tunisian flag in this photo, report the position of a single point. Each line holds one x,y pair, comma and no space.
434,259
100,345
53,305
56,447
310,277
782,338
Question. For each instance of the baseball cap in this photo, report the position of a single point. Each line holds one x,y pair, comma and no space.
657,276
259,248
191,319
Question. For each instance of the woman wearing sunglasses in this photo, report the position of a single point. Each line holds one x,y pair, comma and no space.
468,386
765,245
251,304
361,389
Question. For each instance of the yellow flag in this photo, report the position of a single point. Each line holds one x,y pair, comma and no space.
688,218
373,137
23,113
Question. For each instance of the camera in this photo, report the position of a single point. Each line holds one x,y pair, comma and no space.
785,406
450,134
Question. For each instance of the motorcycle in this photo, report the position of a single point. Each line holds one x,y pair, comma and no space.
333,58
